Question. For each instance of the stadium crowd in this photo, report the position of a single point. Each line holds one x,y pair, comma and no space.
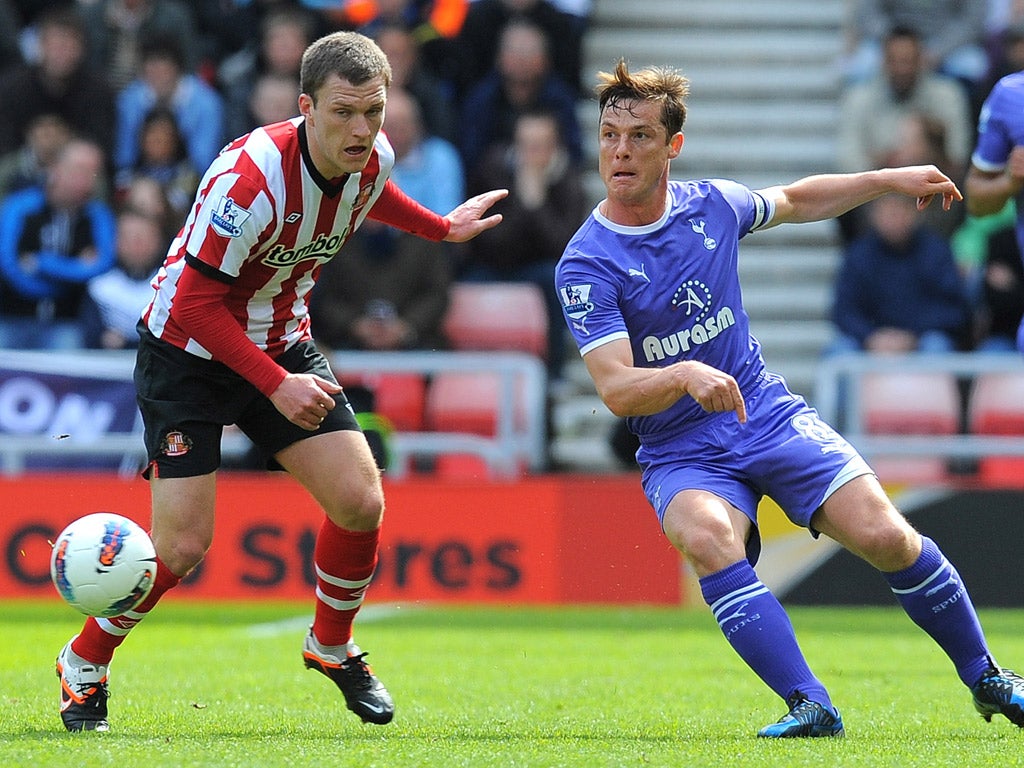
485,92
151,90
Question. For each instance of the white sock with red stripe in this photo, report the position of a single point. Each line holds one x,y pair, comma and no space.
344,562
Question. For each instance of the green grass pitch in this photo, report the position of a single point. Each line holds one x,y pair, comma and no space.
224,685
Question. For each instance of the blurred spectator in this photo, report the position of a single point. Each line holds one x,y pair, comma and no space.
53,239
164,82
119,29
10,27
899,289
921,140
385,290
274,98
226,27
145,195
409,74
872,113
427,168
162,156
285,34
114,301
59,83
545,206
427,19
486,22
521,80
952,32
1000,294
29,164
433,26
579,11
1006,55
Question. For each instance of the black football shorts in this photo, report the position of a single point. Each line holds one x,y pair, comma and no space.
186,401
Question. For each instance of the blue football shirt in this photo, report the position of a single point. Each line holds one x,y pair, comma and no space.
1000,129
671,288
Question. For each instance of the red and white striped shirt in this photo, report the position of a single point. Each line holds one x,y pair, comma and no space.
264,221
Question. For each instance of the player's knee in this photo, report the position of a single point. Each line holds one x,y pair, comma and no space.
709,545
361,511
181,553
891,545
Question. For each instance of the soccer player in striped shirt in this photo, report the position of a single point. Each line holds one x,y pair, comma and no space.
651,293
226,340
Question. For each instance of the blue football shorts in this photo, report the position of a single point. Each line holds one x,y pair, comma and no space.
784,451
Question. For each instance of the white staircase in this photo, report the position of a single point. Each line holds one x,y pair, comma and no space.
762,110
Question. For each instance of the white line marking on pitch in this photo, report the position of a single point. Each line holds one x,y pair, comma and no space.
296,623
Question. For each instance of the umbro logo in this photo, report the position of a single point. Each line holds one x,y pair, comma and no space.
292,217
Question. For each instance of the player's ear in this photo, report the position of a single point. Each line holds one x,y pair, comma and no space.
675,144
305,104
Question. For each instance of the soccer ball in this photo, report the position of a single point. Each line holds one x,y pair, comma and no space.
103,564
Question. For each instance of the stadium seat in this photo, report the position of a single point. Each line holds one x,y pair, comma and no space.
463,402
996,404
905,403
996,407
497,316
399,397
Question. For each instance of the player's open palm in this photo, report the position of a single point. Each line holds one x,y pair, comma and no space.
467,221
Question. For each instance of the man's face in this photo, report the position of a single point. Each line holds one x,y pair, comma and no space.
61,51
902,62
634,151
73,179
343,123
403,125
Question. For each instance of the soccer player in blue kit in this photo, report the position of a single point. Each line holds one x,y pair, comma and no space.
651,293
997,165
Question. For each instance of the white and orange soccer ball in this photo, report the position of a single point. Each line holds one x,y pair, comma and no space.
103,564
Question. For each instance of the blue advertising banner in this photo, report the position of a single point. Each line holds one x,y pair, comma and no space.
60,411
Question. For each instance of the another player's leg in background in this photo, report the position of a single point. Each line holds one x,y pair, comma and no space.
712,535
183,513
861,518
340,472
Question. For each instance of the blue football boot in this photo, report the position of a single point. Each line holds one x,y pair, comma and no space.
805,719
1000,692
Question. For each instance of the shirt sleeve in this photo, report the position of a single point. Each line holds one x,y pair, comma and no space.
202,313
590,304
397,209
994,143
753,210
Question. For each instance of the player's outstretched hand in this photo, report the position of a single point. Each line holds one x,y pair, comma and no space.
305,399
925,182
467,221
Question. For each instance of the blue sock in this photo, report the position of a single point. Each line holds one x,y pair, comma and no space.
933,595
756,625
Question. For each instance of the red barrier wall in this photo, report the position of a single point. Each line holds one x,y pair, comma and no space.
554,539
